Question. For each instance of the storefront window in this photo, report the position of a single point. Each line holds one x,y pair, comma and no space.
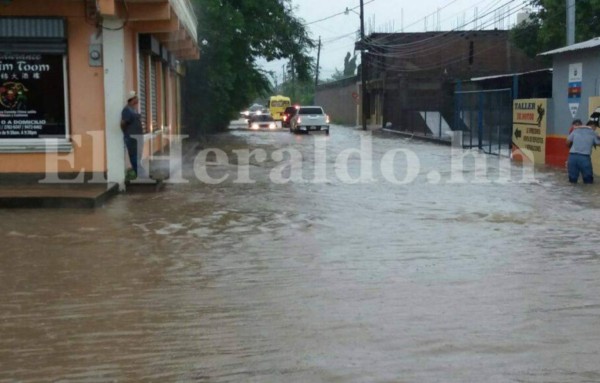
32,96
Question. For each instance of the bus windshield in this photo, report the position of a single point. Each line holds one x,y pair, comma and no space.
277,105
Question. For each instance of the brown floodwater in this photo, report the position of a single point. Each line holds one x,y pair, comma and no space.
431,281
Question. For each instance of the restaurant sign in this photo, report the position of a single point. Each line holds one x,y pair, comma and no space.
32,96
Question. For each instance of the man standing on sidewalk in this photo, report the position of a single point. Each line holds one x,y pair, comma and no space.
581,141
131,124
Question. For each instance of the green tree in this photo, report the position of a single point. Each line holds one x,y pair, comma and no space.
233,35
349,69
349,65
300,90
337,75
546,28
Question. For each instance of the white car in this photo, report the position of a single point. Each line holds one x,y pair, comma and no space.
309,118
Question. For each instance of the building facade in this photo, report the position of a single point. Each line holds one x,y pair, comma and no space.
66,68
410,74
576,94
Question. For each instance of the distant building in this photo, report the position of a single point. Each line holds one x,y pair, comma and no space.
412,73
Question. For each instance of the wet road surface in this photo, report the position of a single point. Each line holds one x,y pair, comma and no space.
432,281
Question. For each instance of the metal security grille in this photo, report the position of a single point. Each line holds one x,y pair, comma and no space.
142,72
419,106
165,94
154,95
31,27
32,35
485,117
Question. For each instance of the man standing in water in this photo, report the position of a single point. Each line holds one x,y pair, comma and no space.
131,125
581,141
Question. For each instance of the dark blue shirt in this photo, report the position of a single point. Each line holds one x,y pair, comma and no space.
133,121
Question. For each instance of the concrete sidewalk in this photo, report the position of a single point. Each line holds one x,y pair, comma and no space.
56,195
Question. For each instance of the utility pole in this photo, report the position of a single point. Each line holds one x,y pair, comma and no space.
317,70
293,80
570,22
363,66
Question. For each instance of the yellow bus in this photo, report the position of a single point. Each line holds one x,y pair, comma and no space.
277,105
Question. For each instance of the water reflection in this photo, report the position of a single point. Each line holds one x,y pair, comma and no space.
307,282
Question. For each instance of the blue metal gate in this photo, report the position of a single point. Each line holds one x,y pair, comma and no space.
485,118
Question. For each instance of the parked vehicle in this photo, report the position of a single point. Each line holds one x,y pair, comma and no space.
277,105
309,118
288,113
262,121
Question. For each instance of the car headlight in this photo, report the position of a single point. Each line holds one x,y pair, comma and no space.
272,125
258,112
254,126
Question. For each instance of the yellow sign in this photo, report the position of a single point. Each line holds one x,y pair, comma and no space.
594,104
529,130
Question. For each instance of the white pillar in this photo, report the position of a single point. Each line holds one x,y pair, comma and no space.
113,48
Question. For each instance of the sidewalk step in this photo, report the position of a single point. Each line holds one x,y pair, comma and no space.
56,195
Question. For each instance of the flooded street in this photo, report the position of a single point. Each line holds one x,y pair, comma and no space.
330,281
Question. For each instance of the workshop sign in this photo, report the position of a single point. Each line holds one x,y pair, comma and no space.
593,111
32,96
574,89
529,130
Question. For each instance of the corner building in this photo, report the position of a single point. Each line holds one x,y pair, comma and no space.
66,67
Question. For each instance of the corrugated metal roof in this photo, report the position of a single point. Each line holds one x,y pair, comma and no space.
593,43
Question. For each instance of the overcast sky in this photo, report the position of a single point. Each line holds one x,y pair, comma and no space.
338,33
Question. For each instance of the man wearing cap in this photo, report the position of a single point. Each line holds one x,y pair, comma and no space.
131,125
581,142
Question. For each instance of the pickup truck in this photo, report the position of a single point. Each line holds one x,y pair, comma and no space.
309,118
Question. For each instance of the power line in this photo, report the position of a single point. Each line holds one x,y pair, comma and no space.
431,14
494,3
437,36
422,53
454,60
337,14
417,48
